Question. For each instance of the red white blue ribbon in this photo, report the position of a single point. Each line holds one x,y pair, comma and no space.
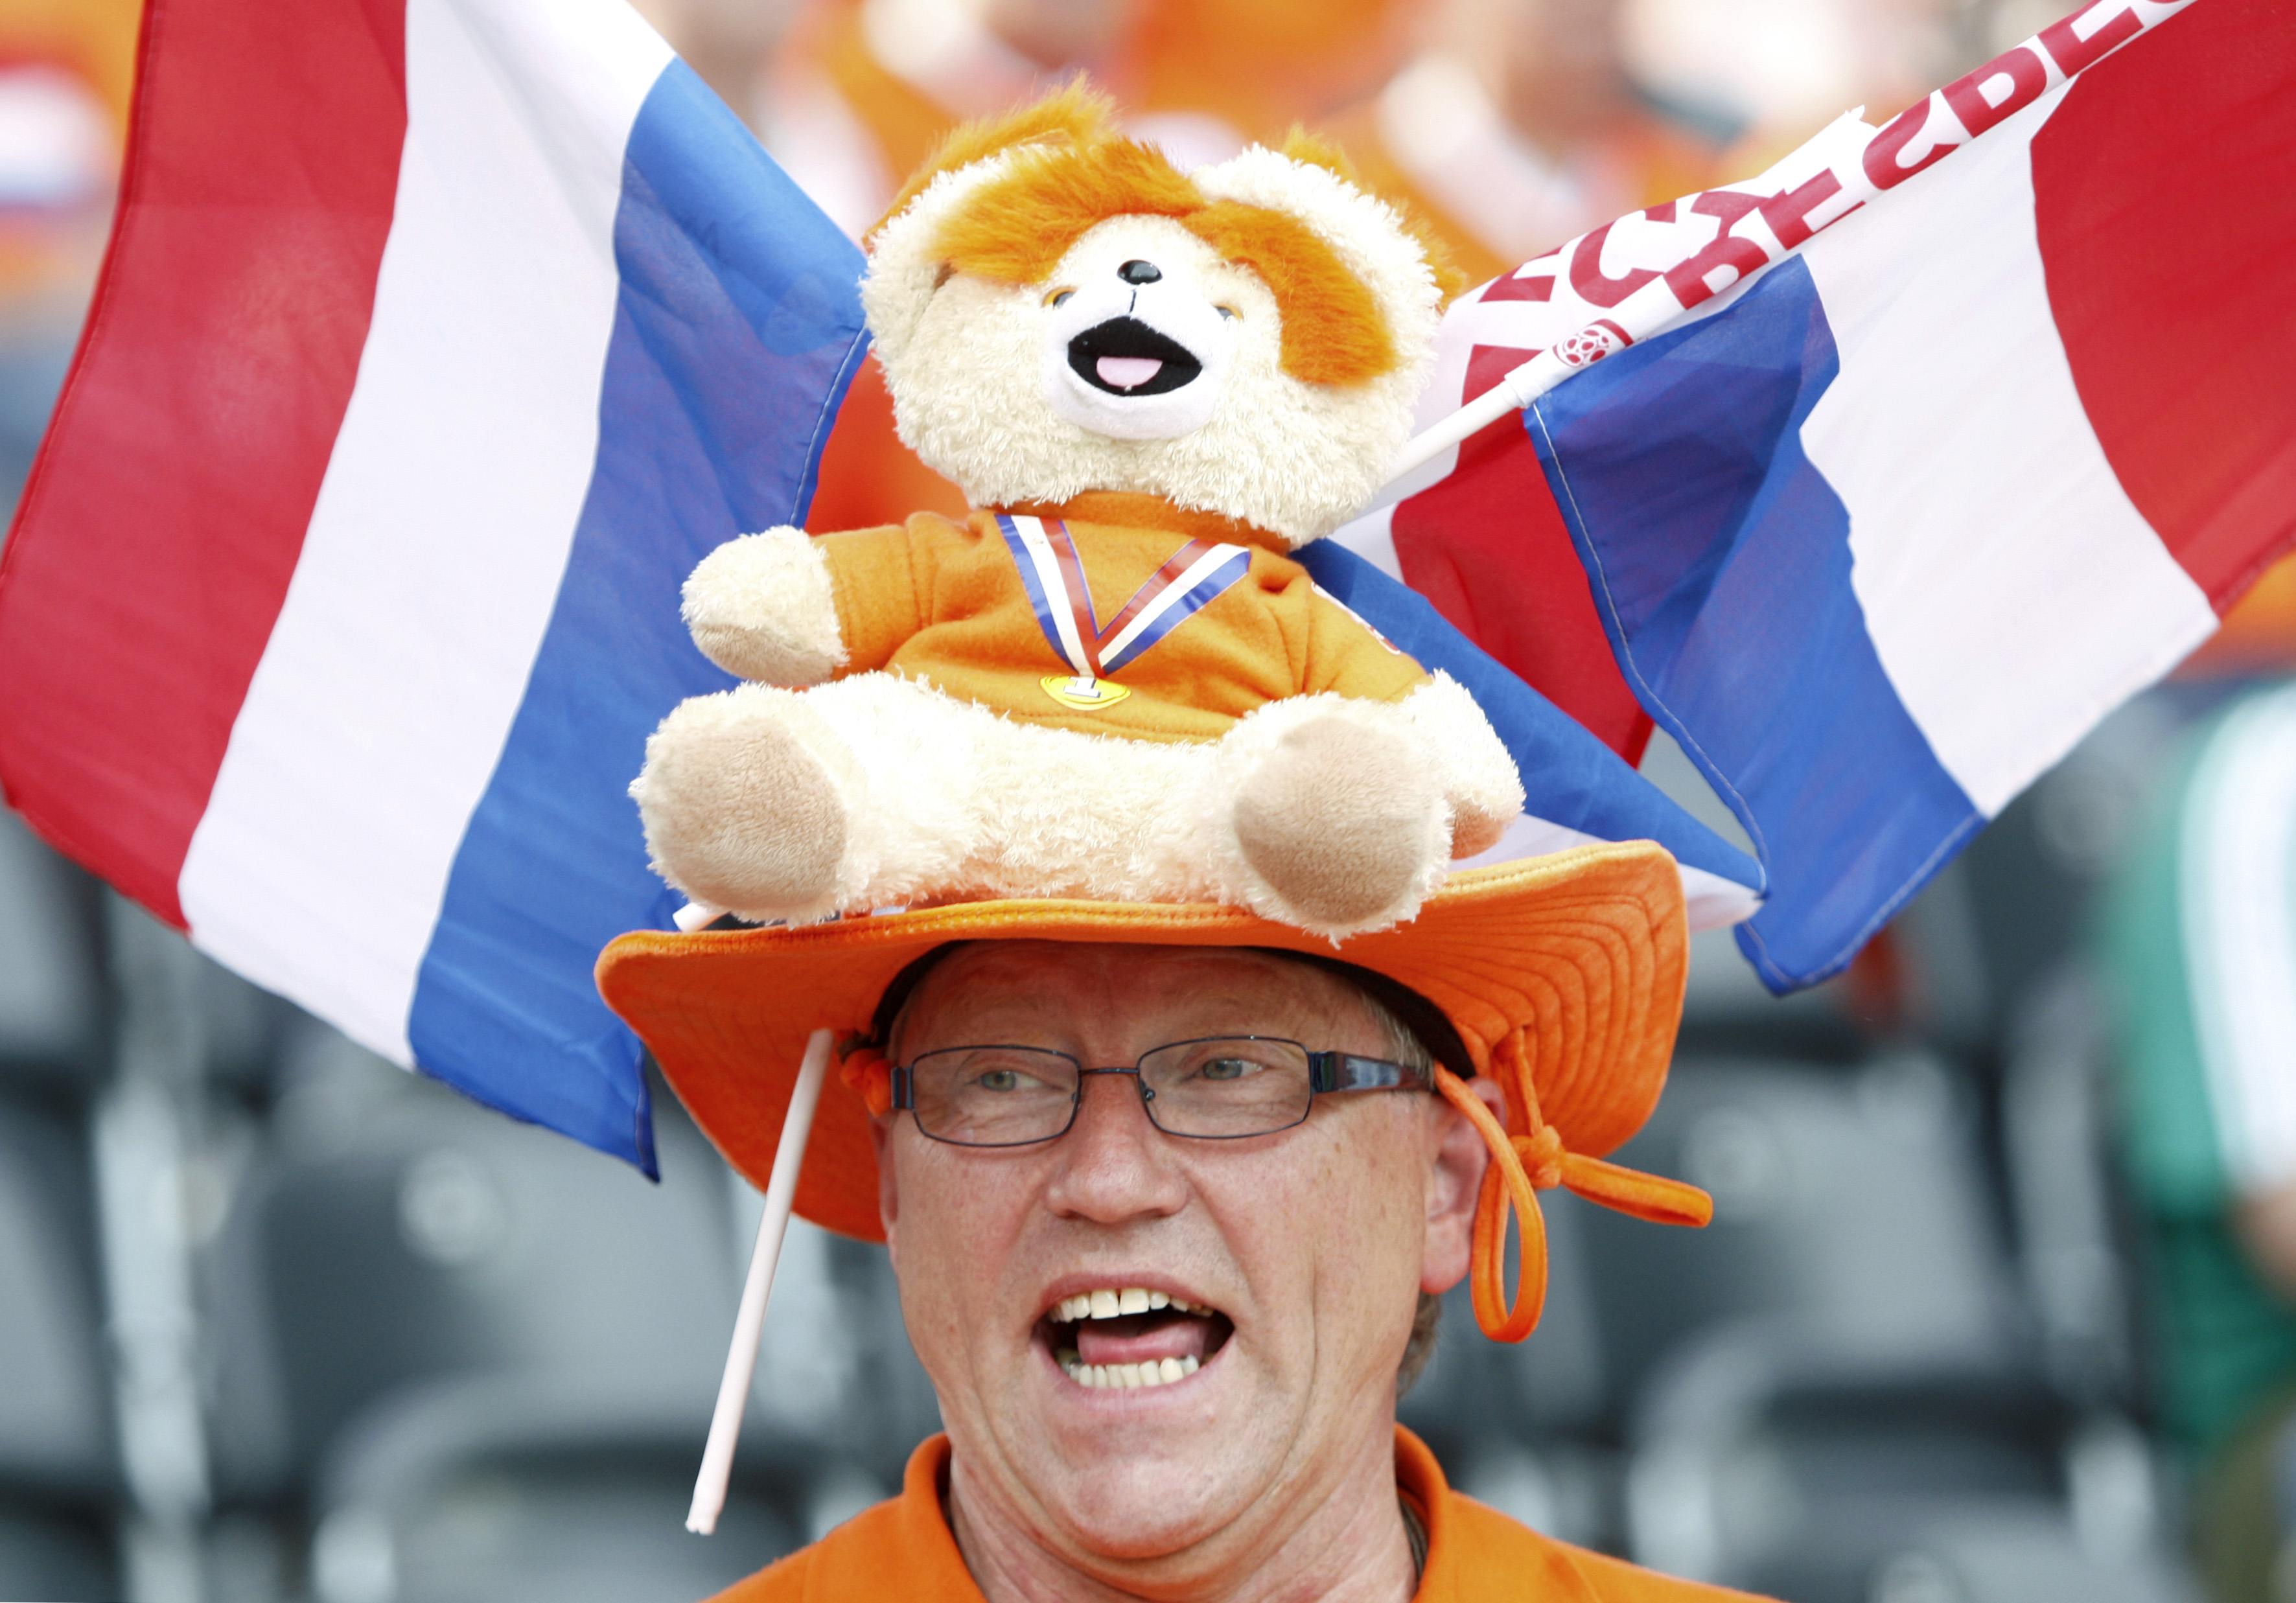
1053,571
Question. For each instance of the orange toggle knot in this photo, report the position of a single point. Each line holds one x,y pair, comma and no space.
1526,1160
867,1075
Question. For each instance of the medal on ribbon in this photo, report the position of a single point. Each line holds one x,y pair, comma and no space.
1053,571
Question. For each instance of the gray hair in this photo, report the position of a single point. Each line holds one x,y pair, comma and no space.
1405,1046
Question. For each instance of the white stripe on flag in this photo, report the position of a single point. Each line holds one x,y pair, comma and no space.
434,552
1713,902
2023,563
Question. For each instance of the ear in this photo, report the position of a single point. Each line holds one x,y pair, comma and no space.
1368,238
1313,150
1456,1159
889,1194
905,267
1074,114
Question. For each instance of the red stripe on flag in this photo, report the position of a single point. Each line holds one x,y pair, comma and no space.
164,517
1488,547
2162,192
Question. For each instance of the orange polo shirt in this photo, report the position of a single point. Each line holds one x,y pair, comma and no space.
903,1549
947,603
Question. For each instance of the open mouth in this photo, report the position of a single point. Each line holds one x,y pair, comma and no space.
1126,357
1131,1338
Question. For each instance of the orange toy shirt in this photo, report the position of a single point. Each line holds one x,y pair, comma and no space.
902,1549
950,604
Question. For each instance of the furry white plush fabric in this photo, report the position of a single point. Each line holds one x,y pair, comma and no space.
886,792
966,359
761,608
1478,778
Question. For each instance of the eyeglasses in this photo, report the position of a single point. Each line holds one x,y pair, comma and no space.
1218,1088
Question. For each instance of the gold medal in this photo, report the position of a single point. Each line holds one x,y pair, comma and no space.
1082,695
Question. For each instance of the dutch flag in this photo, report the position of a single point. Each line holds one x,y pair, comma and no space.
1880,532
437,341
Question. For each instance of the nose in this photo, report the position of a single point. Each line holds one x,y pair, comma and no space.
1139,273
1113,1165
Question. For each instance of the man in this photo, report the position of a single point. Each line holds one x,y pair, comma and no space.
2198,949
1166,1188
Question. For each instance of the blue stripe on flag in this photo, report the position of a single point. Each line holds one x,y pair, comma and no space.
1568,776
738,328
1721,564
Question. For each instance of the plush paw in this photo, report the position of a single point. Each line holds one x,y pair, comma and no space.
1477,777
742,805
761,608
1342,824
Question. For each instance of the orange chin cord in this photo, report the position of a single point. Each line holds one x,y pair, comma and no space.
867,1075
1530,1159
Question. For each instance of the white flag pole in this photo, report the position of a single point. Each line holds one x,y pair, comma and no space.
1761,222
742,1357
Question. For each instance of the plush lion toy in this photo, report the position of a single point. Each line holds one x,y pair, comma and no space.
1109,682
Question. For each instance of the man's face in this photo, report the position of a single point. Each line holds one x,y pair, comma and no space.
1309,1247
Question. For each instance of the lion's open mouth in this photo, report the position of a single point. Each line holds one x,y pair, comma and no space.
1126,357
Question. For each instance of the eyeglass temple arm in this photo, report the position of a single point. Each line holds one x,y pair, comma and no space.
1345,1071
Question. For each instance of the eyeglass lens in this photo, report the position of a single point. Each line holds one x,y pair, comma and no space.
1006,1096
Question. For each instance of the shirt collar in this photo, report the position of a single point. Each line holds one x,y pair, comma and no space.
929,1551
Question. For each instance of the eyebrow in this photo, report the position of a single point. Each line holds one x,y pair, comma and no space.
1022,1016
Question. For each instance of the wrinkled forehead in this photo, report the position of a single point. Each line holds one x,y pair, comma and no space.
1119,998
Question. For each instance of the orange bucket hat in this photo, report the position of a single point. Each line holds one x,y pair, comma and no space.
1563,974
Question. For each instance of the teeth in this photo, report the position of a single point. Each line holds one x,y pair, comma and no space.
1111,1377
1116,1301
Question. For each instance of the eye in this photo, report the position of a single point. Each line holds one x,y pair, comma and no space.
1227,1068
999,1079
1058,298
1227,311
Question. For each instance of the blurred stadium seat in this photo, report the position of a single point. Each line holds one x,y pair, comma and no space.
1849,1202
2074,1239
1775,1467
58,1477
48,988
1847,1368
510,1490
476,1360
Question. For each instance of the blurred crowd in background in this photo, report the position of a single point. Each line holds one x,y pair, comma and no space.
2000,1304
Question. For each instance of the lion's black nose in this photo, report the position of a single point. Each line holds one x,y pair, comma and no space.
1139,273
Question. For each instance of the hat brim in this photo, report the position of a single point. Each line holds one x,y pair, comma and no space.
1584,950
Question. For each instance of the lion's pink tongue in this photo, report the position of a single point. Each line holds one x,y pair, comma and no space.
1128,372
1144,1338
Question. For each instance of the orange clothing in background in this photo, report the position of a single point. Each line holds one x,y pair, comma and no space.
1492,197
1258,66
903,1549
868,476
946,603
